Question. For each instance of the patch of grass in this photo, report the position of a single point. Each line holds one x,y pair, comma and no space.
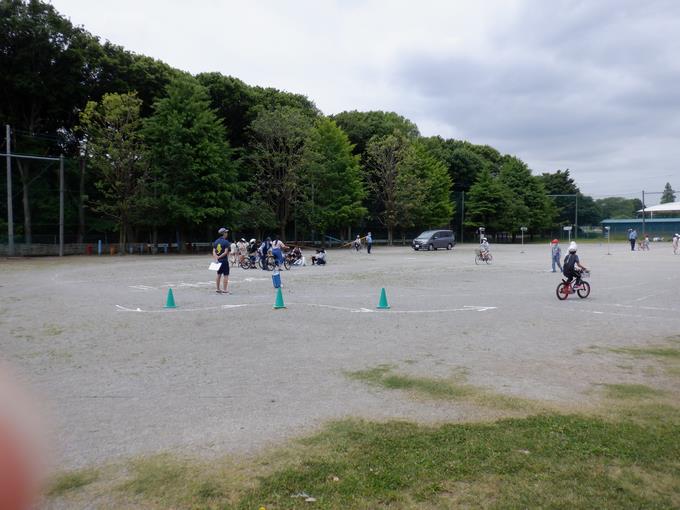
545,461
52,330
454,388
654,352
631,391
667,356
71,481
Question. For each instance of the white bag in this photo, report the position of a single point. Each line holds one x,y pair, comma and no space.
214,266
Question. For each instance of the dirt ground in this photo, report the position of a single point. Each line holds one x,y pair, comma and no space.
121,376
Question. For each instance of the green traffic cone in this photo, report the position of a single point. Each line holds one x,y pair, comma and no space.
383,300
170,302
279,299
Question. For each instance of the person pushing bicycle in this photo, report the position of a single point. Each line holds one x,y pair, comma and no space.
572,266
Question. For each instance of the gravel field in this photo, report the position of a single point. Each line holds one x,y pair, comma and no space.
122,376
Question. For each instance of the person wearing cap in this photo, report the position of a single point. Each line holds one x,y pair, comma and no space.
556,255
369,242
632,237
221,249
573,267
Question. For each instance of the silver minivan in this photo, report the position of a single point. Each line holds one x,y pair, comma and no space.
433,239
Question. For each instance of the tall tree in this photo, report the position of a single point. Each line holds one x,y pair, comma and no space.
392,179
362,126
117,153
42,79
618,207
278,148
194,178
331,184
488,203
668,194
561,183
532,207
426,183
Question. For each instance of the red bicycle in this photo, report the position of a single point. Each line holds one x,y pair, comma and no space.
579,286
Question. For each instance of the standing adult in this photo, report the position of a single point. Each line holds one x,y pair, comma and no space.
369,242
632,237
556,255
277,251
221,249
264,248
676,242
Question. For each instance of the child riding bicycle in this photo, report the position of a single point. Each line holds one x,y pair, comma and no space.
572,266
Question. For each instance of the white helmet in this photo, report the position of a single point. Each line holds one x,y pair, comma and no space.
483,239
573,247
252,241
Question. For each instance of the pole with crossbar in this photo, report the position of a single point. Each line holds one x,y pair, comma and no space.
10,212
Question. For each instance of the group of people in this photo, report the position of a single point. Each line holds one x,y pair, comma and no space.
253,249
572,266
357,244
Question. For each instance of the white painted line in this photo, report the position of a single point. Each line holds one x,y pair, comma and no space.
178,309
371,310
142,287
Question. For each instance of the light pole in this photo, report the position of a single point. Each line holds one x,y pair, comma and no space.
607,233
522,230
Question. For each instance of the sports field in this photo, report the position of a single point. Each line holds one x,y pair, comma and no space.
123,376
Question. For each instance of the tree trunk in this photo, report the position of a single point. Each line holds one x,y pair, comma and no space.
390,231
25,173
81,202
154,239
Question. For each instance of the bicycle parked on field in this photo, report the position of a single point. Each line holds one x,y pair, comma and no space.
577,286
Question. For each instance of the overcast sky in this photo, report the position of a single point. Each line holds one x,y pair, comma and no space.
593,86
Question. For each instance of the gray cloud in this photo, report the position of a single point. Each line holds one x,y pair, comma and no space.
592,86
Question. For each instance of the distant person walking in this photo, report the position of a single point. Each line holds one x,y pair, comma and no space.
221,249
369,242
632,237
556,253
676,242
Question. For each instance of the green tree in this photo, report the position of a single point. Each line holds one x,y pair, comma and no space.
194,178
426,184
383,156
531,206
618,207
331,186
668,195
488,203
117,153
362,126
43,77
277,156
561,183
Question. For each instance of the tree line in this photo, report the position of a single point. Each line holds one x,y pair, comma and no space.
156,152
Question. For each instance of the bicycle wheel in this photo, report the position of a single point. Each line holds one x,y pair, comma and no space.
562,291
489,258
271,262
245,263
584,291
478,259
286,263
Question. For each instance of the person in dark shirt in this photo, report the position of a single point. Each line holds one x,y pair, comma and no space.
221,249
572,267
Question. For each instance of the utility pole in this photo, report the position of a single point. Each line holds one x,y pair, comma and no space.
462,216
643,214
61,205
10,211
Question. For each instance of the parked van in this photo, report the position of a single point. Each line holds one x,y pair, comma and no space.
433,239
